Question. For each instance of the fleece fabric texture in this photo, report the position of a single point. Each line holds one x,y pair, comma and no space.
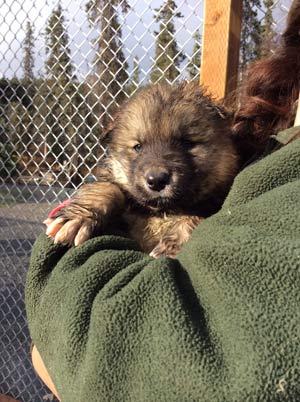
221,323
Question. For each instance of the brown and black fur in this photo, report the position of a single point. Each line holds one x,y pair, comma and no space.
179,138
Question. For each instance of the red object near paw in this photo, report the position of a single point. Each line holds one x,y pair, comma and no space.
58,208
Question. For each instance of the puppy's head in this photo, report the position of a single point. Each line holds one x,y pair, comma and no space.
170,148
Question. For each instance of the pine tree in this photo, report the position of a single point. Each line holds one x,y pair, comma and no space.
135,77
58,64
20,127
167,55
21,113
110,64
28,50
267,30
195,62
59,94
251,33
8,160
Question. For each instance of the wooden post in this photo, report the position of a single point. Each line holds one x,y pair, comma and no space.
220,46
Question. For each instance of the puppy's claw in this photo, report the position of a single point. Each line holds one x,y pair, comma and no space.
47,221
84,233
67,232
54,226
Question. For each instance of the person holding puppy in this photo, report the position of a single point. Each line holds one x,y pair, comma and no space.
218,323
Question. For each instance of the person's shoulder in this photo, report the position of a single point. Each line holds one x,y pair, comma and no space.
278,166
287,136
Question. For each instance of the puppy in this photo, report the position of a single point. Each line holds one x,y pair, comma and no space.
170,163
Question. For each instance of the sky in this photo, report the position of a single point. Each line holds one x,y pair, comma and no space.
138,26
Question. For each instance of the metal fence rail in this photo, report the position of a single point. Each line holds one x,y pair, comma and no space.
65,67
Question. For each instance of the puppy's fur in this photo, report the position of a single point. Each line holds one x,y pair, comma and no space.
170,162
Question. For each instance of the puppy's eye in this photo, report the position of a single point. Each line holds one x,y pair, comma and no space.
137,147
186,144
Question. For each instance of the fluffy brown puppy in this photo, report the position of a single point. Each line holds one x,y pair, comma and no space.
173,154
170,162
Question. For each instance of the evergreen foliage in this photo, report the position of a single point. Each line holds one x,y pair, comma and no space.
135,78
13,94
58,64
15,118
258,34
28,50
193,67
22,115
7,160
58,92
267,30
167,55
110,64
251,33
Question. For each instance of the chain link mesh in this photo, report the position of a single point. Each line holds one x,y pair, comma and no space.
80,63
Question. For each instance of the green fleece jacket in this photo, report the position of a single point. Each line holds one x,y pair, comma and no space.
219,324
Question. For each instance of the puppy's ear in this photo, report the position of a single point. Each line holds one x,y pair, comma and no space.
205,99
222,112
106,134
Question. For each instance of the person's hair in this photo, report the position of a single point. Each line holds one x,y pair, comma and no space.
270,91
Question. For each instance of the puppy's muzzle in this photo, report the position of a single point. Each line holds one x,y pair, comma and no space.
157,179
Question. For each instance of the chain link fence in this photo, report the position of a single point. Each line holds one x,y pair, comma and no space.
65,68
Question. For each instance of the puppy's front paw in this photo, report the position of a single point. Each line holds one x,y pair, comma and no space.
92,207
75,231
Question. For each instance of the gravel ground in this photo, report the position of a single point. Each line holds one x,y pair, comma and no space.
20,224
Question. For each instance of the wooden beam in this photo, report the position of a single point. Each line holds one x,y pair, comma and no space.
220,46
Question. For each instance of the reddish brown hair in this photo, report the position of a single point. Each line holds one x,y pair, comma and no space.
269,92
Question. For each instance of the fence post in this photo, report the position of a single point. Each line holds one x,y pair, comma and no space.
221,42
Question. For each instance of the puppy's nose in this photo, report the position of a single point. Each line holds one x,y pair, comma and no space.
157,180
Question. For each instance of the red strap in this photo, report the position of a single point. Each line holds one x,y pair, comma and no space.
59,207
